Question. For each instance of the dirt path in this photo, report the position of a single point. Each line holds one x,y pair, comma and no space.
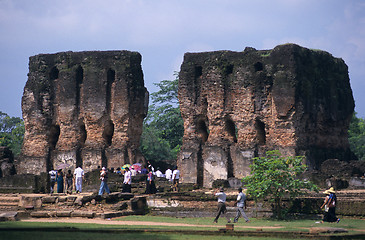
140,223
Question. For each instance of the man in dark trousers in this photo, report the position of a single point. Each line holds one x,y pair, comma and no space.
221,205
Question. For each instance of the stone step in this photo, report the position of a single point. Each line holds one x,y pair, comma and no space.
6,199
9,203
8,208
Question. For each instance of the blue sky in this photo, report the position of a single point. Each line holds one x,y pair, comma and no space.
163,30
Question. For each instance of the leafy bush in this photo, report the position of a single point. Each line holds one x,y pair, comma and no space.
274,177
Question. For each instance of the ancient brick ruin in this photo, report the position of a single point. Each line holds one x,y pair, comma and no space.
238,105
83,108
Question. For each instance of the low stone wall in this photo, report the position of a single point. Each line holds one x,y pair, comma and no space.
88,205
24,183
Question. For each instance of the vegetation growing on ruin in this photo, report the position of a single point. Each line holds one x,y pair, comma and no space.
275,177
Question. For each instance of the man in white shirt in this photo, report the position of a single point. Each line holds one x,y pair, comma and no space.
221,205
241,202
159,173
79,174
127,183
168,174
175,179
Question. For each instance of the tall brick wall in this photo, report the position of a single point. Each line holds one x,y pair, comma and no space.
238,105
83,108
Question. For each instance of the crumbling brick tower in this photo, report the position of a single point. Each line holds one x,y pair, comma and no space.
83,108
238,105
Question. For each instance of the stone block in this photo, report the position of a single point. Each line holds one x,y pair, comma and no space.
316,230
49,199
120,206
139,204
63,213
8,216
30,200
40,214
83,214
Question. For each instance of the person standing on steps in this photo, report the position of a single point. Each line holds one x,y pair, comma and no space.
168,174
222,209
241,202
104,181
59,180
79,174
69,182
127,182
52,176
175,179
150,183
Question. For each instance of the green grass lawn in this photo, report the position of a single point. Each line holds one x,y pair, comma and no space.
28,230
294,225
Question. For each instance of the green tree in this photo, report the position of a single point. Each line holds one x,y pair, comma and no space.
163,127
11,132
274,177
357,136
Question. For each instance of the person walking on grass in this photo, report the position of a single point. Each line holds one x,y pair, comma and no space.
241,202
330,202
222,209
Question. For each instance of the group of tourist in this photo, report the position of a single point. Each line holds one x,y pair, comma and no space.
151,174
66,181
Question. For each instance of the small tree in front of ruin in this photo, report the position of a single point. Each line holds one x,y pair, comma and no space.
275,177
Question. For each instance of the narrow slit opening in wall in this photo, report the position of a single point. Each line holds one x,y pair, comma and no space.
258,66
83,134
228,69
108,132
109,84
53,74
198,71
200,167
79,81
261,133
231,129
202,130
79,158
54,134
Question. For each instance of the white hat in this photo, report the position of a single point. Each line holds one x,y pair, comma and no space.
103,168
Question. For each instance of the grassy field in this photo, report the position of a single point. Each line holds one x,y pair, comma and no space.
80,231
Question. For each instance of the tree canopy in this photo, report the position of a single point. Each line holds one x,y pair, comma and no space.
357,136
163,127
11,132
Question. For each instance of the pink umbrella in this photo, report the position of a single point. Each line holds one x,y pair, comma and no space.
137,166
